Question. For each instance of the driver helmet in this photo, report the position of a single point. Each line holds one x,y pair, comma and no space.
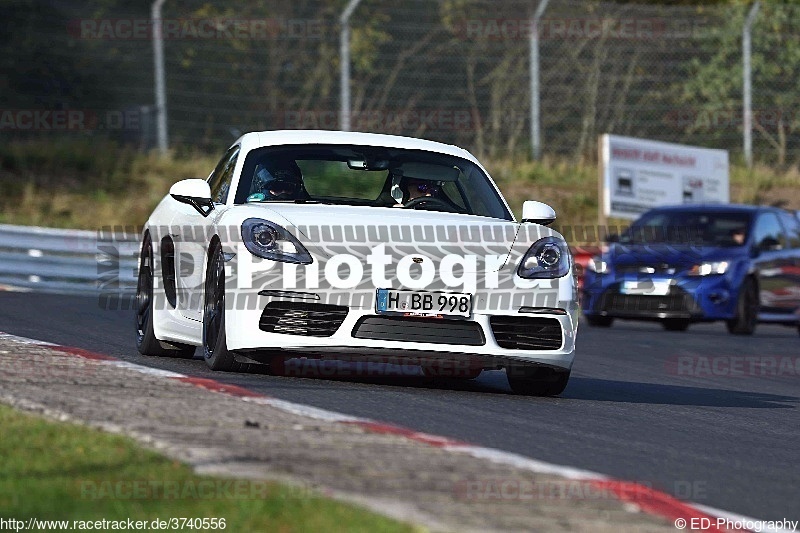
420,186
279,180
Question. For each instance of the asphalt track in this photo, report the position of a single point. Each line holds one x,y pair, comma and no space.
630,411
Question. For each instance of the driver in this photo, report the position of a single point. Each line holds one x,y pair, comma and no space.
739,235
414,188
277,180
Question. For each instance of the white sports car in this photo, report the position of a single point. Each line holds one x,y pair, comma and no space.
358,247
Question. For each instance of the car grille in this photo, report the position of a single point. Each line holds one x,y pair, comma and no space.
434,331
677,301
649,268
526,333
298,318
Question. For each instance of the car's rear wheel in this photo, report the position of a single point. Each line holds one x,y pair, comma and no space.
599,321
675,324
534,380
746,310
146,341
215,347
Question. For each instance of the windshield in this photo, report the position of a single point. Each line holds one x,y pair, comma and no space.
690,228
368,176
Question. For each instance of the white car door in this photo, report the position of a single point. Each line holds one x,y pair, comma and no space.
191,230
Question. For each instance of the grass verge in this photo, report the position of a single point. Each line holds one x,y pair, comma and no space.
59,471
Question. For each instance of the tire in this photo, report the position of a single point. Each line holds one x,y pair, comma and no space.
596,321
675,324
146,341
532,380
746,310
215,347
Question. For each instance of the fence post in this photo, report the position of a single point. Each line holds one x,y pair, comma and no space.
161,94
747,98
536,143
344,67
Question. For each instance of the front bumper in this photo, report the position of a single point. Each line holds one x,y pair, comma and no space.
691,298
363,333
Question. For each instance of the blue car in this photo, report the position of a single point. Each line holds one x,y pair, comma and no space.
698,263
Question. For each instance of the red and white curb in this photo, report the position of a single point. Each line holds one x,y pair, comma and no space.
635,496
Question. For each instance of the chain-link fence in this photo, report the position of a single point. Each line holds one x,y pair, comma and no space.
450,70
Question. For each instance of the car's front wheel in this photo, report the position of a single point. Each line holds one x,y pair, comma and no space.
215,346
746,310
534,380
146,341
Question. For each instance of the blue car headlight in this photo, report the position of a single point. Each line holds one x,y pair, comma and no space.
597,265
706,269
272,241
546,258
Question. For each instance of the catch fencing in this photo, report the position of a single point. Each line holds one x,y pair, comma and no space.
457,71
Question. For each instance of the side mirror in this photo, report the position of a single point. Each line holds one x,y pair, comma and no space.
538,213
194,192
769,244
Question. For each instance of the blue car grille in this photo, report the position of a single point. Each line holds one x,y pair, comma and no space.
677,301
651,268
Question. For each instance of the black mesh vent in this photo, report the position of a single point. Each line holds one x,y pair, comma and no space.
434,331
300,318
526,333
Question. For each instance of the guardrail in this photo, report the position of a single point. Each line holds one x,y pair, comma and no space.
72,261
92,262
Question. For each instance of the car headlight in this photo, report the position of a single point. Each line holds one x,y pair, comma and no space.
546,258
596,264
705,269
271,241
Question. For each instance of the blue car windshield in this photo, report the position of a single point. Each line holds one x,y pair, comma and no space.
690,227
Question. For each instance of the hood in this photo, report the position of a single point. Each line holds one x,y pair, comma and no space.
327,231
675,256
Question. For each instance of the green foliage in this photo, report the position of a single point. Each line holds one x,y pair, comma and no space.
713,87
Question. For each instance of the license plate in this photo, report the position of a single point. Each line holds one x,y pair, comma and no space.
421,303
646,287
